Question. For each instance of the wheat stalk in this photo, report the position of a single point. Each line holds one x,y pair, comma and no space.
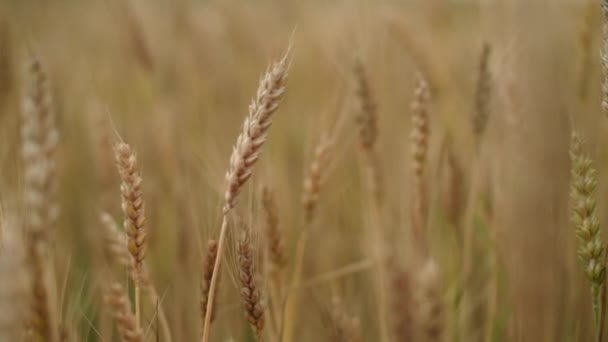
127,323
591,251
367,120
346,328
245,154
430,307
313,181
115,242
482,95
419,140
250,295
206,278
275,251
134,216
39,143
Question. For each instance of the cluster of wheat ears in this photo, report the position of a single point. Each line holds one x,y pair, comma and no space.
408,295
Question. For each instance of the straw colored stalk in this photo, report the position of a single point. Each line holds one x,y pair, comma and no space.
419,140
245,154
591,250
39,142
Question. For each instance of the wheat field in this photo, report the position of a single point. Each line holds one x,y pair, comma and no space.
228,170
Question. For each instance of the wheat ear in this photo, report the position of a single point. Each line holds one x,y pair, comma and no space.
245,154
125,320
275,252
115,242
430,306
346,328
134,216
591,250
206,278
250,295
313,181
482,95
367,120
419,140
39,142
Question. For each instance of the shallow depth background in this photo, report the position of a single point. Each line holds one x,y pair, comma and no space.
174,79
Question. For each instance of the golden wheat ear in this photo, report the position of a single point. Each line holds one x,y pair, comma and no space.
245,154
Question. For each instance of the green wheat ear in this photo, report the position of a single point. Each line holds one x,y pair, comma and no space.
591,249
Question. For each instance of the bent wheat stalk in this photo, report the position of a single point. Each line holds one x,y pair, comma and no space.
245,154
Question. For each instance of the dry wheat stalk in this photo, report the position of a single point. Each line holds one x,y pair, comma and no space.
430,308
604,57
313,181
125,320
250,295
15,295
245,154
482,95
419,144
206,278
591,250
39,141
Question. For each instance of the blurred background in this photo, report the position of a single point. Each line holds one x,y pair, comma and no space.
174,79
